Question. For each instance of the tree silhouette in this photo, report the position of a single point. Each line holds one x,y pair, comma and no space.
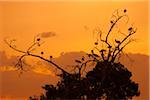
108,79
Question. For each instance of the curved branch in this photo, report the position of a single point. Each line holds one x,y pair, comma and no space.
112,26
49,61
118,46
27,53
120,51
82,65
21,51
19,64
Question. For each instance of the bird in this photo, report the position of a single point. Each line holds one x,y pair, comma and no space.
109,46
83,58
117,41
42,52
96,43
130,28
103,50
125,10
111,22
51,57
38,39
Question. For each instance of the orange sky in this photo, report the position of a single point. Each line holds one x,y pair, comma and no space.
24,20
73,23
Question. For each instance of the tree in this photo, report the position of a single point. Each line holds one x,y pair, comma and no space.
108,79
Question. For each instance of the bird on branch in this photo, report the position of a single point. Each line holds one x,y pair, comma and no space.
117,41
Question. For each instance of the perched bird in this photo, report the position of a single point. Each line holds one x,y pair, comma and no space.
109,46
117,41
111,22
96,43
42,52
103,50
130,28
83,58
92,51
89,55
38,39
51,57
125,10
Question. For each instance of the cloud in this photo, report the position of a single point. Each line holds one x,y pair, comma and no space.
65,61
43,70
20,87
47,34
7,63
7,68
140,70
31,82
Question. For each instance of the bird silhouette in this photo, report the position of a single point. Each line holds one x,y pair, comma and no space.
117,41
130,28
42,52
38,39
125,10
103,50
109,46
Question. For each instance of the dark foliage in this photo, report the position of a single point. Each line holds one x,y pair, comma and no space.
107,80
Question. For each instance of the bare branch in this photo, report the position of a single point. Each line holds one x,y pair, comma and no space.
120,50
27,53
117,48
14,48
112,26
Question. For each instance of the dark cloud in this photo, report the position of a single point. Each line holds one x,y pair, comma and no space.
139,66
21,87
5,60
47,34
30,83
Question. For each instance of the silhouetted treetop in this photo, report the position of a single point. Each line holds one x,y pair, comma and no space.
108,79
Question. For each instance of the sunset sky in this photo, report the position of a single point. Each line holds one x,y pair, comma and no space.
72,22
24,20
